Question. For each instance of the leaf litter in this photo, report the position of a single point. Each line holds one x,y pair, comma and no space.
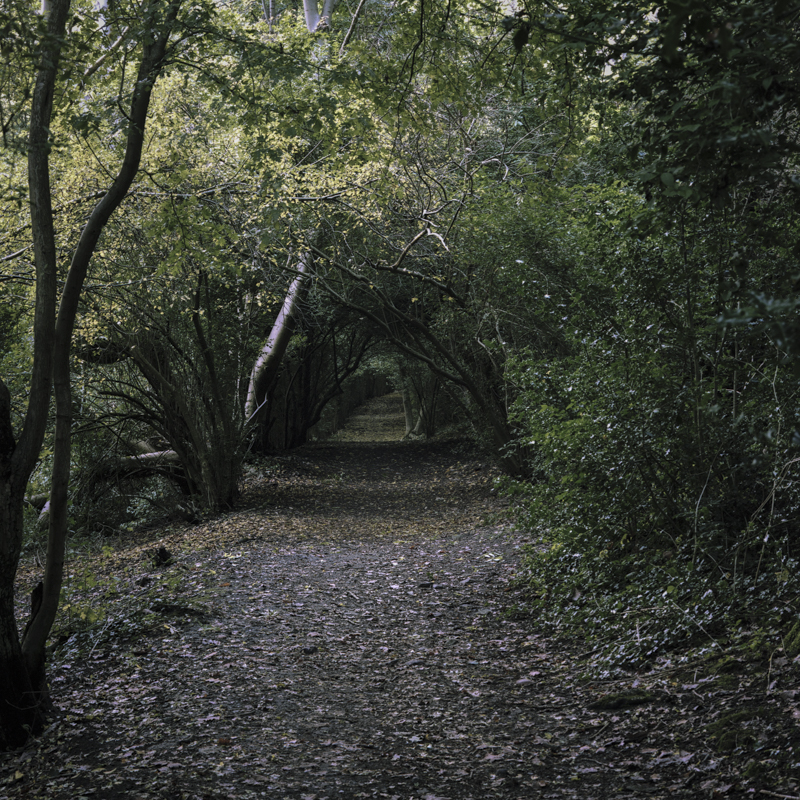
351,631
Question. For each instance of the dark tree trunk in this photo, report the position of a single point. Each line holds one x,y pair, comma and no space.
23,689
20,698
33,644
20,702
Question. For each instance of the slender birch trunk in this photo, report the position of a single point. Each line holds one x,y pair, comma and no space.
265,370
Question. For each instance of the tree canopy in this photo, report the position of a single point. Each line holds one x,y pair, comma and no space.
575,223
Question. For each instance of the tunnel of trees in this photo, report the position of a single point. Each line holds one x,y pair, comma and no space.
575,224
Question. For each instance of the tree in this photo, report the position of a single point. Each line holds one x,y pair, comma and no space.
19,706
450,300
269,359
327,355
23,690
383,172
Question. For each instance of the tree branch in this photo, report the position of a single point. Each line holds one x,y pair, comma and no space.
352,27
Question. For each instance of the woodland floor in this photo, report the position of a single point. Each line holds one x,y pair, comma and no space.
348,632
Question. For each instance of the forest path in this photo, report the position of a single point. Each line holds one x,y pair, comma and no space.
344,634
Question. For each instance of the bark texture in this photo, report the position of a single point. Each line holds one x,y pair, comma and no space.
314,20
265,370
153,53
20,709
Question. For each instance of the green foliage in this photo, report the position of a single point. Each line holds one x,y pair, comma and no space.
658,507
582,224
740,729
661,437
791,644
77,608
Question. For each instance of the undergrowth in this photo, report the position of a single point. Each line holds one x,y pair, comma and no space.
636,608
663,517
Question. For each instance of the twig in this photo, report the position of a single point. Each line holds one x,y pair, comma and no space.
97,637
686,613
352,27
12,256
769,671
782,796
109,51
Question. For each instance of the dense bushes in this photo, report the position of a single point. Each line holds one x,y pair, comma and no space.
663,445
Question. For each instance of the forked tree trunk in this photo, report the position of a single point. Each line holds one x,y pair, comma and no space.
315,21
33,645
23,690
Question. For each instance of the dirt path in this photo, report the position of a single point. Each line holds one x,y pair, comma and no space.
346,634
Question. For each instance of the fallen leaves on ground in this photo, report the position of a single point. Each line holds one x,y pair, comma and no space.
350,632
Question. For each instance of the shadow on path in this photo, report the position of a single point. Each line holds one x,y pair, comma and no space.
345,634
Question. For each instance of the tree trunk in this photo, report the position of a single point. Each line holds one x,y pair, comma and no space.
412,405
20,709
314,21
33,644
265,370
20,706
